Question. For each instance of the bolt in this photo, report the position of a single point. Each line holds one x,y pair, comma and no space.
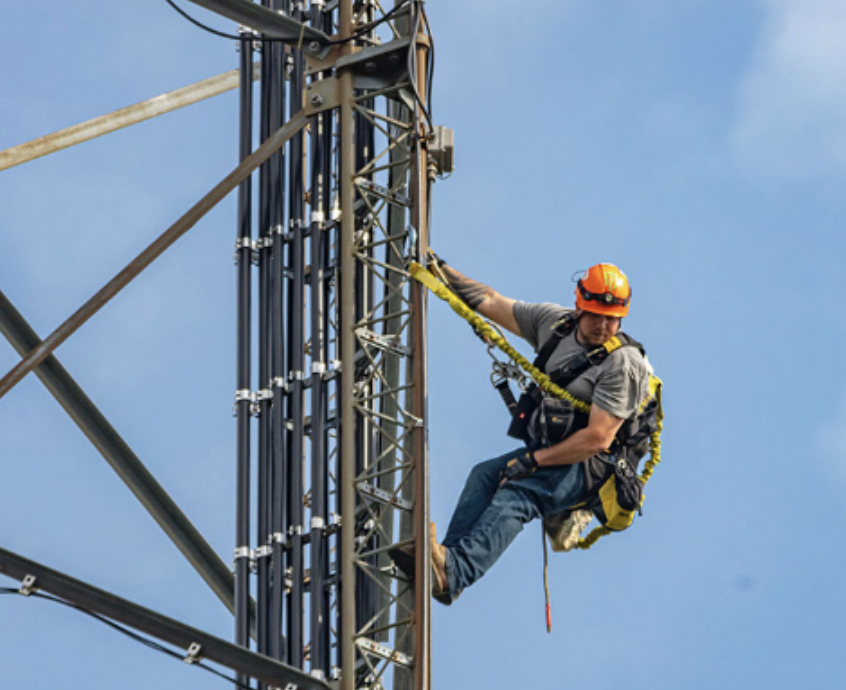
370,67
314,47
316,99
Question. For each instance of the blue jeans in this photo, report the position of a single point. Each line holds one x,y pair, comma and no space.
488,517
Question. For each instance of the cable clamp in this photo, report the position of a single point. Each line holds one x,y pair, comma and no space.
264,551
28,586
279,382
297,376
258,398
318,217
334,520
194,653
335,366
243,552
295,530
265,242
263,394
245,243
255,399
318,368
278,538
318,523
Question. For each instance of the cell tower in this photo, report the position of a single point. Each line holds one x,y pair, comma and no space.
331,372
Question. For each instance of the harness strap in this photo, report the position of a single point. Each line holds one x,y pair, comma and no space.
545,382
490,334
506,394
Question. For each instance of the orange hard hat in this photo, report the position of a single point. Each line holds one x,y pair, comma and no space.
604,289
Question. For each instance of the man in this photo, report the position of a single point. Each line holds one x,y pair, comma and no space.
503,494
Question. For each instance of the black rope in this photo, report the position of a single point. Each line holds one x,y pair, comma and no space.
358,34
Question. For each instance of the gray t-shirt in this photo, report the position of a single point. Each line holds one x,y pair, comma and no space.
617,385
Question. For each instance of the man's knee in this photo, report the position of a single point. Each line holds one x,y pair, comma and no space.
486,473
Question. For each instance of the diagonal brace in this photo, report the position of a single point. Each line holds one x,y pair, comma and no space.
273,143
133,114
122,459
85,596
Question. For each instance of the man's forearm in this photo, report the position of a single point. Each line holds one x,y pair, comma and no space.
471,292
483,299
574,449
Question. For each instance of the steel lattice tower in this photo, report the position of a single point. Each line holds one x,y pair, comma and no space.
331,375
341,354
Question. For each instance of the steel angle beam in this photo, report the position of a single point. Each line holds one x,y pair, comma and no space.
154,251
270,23
133,114
120,457
198,644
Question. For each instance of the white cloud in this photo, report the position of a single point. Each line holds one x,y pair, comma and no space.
792,117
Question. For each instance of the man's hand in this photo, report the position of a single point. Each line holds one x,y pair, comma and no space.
519,467
435,265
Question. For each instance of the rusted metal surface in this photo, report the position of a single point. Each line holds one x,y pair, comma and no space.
119,119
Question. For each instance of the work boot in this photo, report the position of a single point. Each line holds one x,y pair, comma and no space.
403,558
440,585
565,529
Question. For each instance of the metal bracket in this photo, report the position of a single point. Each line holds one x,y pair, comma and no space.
441,148
321,96
258,398
28,586
384,652
243,552
194,655
255,399
381,342
384,496
383,192
297,376
247,243
411,250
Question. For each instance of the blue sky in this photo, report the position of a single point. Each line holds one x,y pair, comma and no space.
700,145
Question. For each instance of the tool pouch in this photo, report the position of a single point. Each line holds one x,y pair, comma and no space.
619,498
527,404
552,421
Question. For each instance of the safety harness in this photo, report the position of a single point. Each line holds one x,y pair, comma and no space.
620,495
637,436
